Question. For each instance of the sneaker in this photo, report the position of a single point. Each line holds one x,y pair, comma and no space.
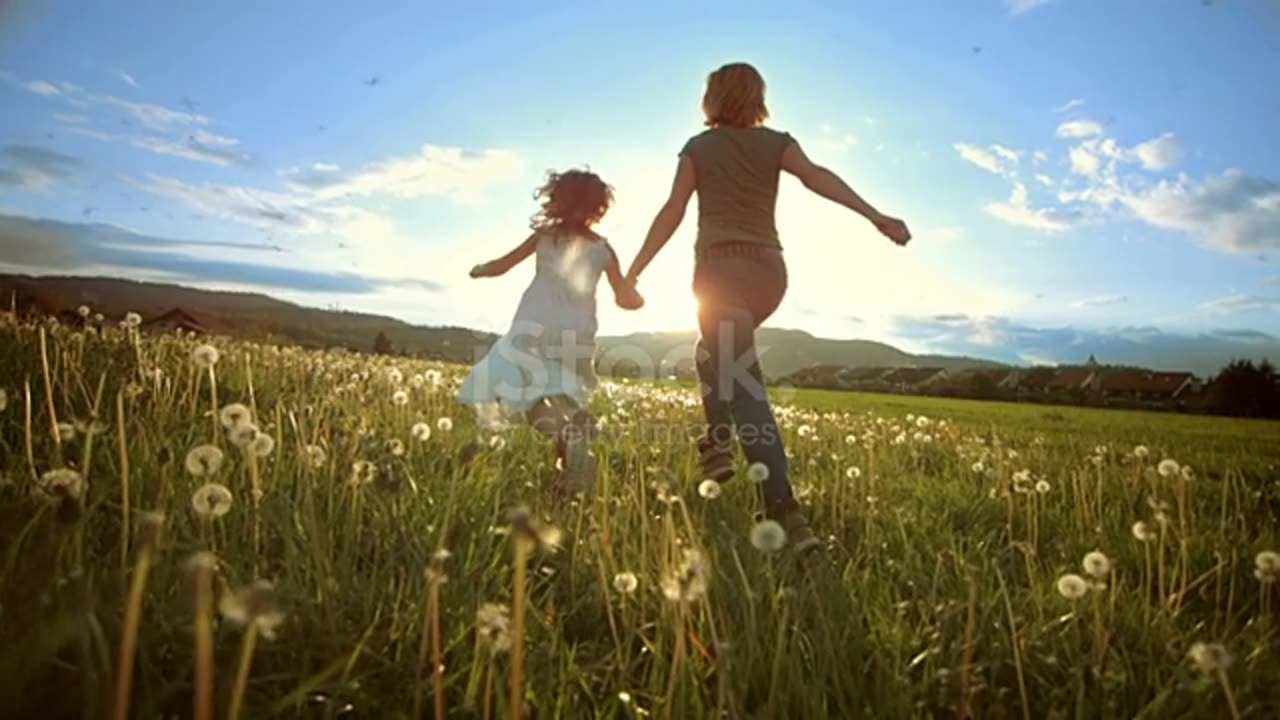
800,537
716,460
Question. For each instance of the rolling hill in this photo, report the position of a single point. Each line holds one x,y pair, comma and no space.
260,317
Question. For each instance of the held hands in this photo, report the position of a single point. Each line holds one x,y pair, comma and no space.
892,228
628,298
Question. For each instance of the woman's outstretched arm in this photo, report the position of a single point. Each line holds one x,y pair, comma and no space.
667,220
494,268
823,182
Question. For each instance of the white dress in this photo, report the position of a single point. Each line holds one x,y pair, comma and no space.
550,349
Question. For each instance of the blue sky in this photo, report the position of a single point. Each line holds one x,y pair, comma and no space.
1080,175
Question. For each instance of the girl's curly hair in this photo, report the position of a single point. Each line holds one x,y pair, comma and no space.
572,200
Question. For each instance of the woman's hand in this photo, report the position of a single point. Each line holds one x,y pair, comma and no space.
892,228
628,298
481,270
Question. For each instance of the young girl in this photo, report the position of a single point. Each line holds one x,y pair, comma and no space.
542,369
739,274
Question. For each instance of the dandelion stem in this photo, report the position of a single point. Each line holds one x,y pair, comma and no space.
125,494
1226,690
1015,644
247,644
213,404
516,689
487,712
129,638
203,699
48,396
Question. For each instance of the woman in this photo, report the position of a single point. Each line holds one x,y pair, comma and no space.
739,275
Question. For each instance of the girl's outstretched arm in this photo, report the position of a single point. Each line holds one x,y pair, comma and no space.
494,268
668,218
823,182
624,292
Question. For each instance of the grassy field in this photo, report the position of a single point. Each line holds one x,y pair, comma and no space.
352,560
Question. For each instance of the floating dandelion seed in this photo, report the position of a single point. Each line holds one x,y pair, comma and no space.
1072,586
1143,533
768,536
233,415
709,489
205,356
625,582
493,625
421,432
758,472
60,483
66,432
204,460
853,473
1168,468
400,398
687,582
262,445
1268,566
1208,657
316,456
211,500
243,435
254,605
1043,487
444,424
1096,565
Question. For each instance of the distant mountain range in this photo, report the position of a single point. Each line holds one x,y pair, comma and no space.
260,317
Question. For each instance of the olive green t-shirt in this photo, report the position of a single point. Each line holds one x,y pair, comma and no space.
737,173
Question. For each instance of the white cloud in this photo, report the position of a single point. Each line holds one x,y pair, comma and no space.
31,168
1018,7
200,146
71,118
1069,105
1016,211
1044,180
994,158
1084,162
461,175
1158,153
1232,212
1039,156
40,87
1240,303
127,78
1078,129
1100,301
153,117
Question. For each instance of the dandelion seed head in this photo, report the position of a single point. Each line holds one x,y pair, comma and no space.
1096,564
688,581
1142,532
625,582
709,489
243,435
1043,487
768,536
1267,565
400,398
1168,468
1208,657
205,356
395,447
493,623
212,500
420,432
61,482
1141,452
233,415
853,473
316,456
66,432
1072,586
132,320
255,605
262,445
363,472
444,424
83,311
758,472
1187,473
204,461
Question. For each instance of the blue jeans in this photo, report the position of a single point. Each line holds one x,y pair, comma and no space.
738,287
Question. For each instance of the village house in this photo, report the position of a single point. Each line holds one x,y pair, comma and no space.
179,319
913,379
1146,386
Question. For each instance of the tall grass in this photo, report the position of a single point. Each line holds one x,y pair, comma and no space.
949,528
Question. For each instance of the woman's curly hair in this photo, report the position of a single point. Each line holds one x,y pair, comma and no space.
572,200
